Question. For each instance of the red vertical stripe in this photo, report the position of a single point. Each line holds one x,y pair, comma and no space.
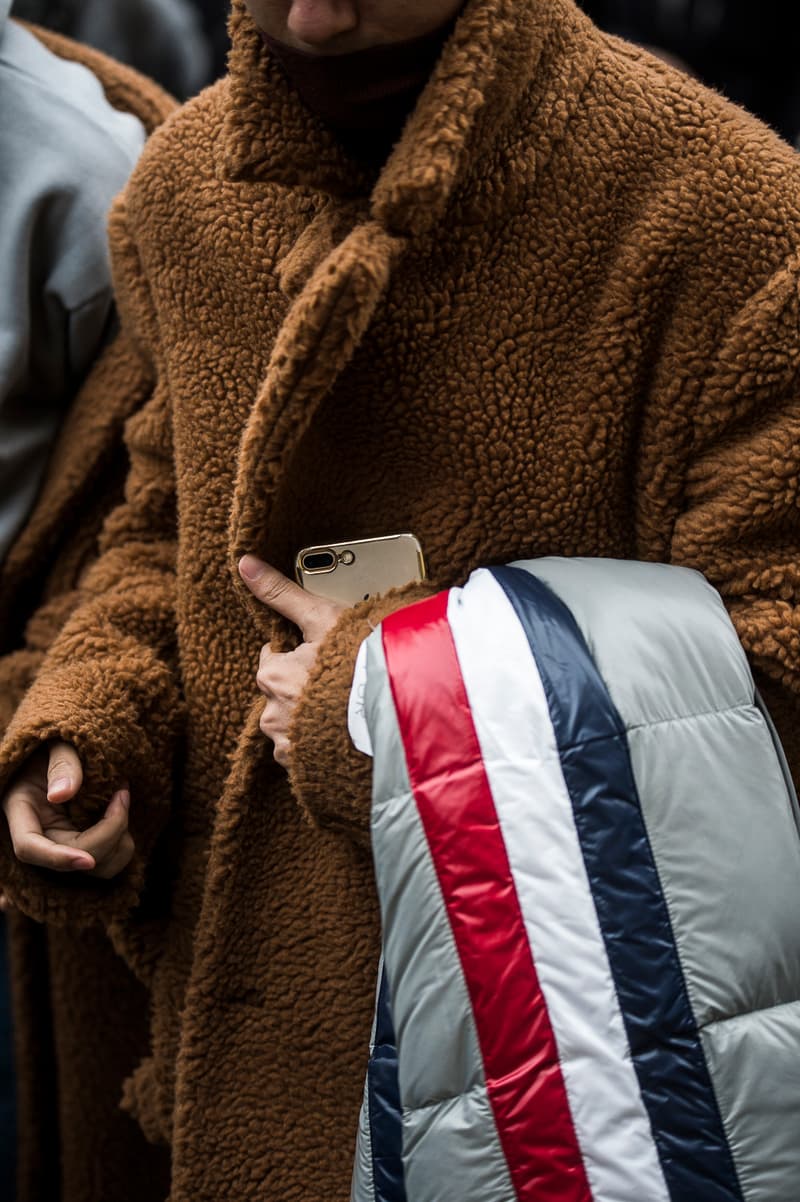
448,779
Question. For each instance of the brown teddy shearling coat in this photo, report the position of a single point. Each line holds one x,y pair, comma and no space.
561,319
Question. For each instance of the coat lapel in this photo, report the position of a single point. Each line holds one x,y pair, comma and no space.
501,52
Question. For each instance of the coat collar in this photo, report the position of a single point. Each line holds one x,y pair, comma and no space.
501,55
508,82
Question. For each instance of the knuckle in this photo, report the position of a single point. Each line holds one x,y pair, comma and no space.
266,590
274,586
108,846
106,867
115,864
24,853
126,849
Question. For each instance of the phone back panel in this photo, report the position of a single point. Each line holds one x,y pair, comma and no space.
363,567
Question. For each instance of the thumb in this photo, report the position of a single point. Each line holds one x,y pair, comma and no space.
64,773
313,615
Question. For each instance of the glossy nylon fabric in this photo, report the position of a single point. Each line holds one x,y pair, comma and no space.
475,663
663,1037
722,819
449,772
704,762
383,1101
613,1134
451,1150
378,1169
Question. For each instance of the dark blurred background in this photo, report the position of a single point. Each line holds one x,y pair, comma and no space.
748,49
181,43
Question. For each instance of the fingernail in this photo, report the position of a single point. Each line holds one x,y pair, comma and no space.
125,798
58,786
81,863
249,567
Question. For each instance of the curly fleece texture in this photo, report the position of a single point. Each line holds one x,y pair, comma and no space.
561,319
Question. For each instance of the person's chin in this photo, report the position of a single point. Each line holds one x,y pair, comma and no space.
334,50
351,42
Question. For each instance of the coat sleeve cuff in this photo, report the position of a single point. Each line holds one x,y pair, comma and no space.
330,779
112,753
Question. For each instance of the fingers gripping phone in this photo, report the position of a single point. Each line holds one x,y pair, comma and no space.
357,570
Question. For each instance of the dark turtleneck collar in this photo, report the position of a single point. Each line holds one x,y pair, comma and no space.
508,64
364,97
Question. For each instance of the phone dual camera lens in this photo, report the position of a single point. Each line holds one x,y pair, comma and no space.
325,559
319,561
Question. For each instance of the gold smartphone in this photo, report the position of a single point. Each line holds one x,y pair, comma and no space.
357,570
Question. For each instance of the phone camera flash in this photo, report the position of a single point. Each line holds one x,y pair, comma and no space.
347,557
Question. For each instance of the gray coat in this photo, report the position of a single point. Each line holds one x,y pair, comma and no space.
64,154
161,38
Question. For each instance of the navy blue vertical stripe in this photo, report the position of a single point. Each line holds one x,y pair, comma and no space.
665,1044
383,1101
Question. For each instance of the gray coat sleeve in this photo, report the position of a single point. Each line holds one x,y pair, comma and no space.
64,154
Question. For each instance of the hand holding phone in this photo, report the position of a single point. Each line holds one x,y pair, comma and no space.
282,675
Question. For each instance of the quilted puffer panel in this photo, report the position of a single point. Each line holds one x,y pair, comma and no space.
587,856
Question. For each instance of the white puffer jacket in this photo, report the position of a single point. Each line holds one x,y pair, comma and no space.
587,853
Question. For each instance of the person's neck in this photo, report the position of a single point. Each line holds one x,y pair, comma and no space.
365,97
